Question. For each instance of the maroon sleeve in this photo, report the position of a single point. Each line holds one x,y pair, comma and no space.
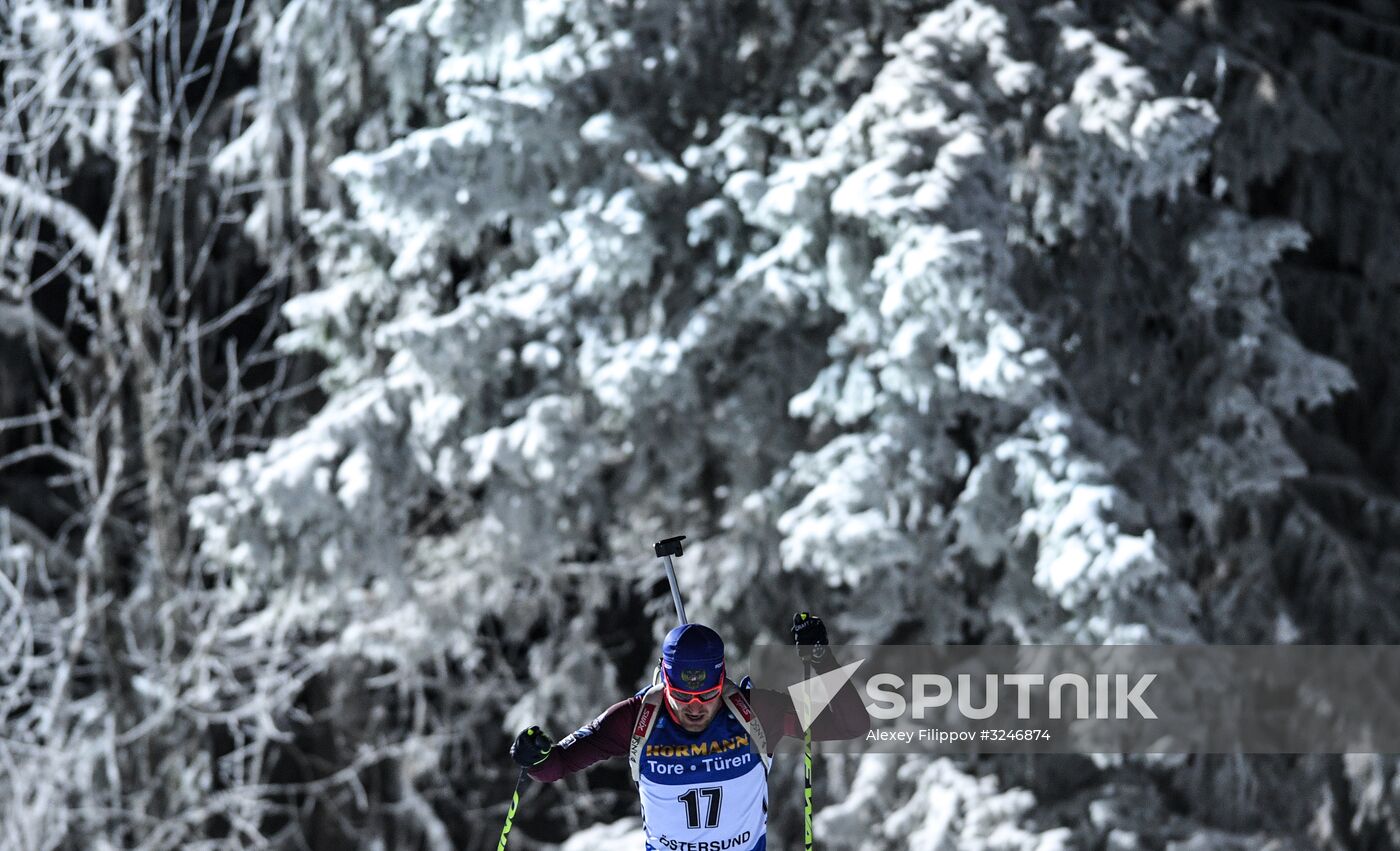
844,718
608,735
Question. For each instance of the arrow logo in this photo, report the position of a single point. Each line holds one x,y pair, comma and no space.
810,697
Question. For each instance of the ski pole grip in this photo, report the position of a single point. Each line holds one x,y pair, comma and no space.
665,548
669,547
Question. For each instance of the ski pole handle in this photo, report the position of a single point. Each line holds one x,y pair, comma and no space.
666,548
510,813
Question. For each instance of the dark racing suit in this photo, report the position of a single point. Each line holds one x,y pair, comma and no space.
703,791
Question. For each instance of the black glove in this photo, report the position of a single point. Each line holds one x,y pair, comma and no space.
809,634
531,747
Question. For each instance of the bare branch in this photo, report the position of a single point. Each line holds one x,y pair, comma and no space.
58,453
71,223
26,420
21,529
24,323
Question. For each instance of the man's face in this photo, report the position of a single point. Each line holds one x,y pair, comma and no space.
693,715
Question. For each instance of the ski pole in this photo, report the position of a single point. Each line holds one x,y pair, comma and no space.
510,813
666,548
807,773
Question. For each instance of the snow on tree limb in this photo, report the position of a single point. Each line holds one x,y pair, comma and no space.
72,224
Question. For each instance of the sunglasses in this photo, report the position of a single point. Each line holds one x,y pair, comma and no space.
684,697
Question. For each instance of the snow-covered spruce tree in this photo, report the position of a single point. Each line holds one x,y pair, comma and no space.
1303,93
509,399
